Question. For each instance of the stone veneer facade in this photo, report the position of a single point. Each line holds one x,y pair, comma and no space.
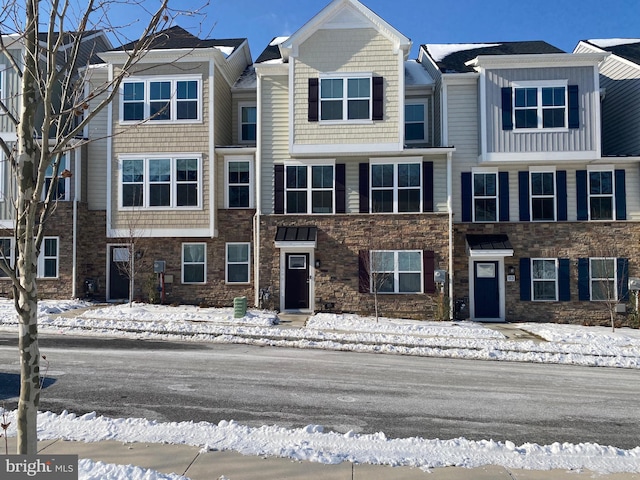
340,239
572,240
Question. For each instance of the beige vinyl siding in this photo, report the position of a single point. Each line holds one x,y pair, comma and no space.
11,86
171,139
346,51
97,150
581,139
222,106
274,128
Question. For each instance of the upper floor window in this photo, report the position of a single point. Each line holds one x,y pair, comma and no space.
62,181
545,104
543,196
309,188
248,123
345,98
485,197
239,190
161,100
601,195
415,122
160,182
396,187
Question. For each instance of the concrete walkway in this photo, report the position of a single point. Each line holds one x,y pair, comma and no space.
196,465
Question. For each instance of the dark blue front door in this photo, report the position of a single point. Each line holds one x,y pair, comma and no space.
486,290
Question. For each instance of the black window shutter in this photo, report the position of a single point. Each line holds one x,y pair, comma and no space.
427,186
523,192
364,284
564,280
581,195
314,94
561,189
621,195
503,196
341,190
378,98
623,279
583,280
574,106
467,196
279,188
364,188
525,279
428,260
507,108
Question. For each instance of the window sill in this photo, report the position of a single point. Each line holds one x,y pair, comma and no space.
540,130
159,122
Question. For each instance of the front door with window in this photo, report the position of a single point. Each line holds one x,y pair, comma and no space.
486,290
118,267
296,281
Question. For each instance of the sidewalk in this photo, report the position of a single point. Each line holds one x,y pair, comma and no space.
192,463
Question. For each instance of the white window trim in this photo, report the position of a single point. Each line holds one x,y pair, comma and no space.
602,168
67,182
397,272
42,258
2,90
309,164
551,170
425,120
533,280
485,171
147,80
204,262
10,258
345,98
242,105
247,263
227,185
174,183
539,85
395,162
592,279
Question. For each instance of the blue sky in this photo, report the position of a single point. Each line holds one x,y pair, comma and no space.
560,22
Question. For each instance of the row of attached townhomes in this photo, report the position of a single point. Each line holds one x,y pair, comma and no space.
495,182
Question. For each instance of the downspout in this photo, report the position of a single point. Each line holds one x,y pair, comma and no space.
450,211
258,199
74,247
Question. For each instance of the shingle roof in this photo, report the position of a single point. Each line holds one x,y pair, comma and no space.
176,38
272,52
629,51
455,61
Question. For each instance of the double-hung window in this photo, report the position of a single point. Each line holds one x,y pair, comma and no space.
194,263
310,188
248,123
543,196
540,105
396,271
415,122
6,253
396,187
544,278
601,195
160,182
485,197
345,98
48,258
62,183
162,100
602,279
239,174
237,270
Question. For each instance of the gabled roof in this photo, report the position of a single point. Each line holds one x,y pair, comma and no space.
272,52
451,58
627,48
177,38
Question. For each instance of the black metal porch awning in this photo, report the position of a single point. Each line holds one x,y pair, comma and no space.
489,245
296,236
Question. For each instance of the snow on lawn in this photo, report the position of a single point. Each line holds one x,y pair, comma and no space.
566,344
311,443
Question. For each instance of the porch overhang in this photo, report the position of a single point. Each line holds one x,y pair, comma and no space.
302,237
485,246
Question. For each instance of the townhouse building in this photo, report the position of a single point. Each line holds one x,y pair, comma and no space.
543,222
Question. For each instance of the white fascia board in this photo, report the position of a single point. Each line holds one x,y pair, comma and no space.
460,78
611,56
235,151
549,157
266,69
507,252
538,60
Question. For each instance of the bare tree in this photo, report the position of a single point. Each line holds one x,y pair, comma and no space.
605,271
376,269
49,113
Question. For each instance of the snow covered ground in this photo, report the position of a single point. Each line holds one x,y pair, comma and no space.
567,344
